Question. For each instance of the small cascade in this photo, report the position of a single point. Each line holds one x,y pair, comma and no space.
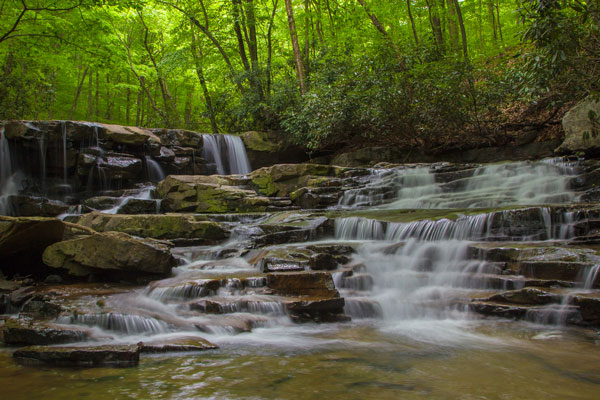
8,177
589,277
227,153
542,224
153,170
64,152
359,229
117,322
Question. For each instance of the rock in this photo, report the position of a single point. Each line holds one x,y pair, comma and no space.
30,206
188,343
582,127
22,242
179,137
313,284
268,148
323,261
589,307
127,135
526,296
18,332
114,255
208,194
164,226
283,179
82,357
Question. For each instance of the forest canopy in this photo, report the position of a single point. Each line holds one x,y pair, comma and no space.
328,72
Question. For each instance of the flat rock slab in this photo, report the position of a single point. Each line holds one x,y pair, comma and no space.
313,284
23,333
82,357
181,344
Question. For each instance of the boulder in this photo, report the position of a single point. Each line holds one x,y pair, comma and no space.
31,206
165,226
22,242
114,255
83,357
18,332
283,179
313,284
127,135
179,138
582,127
526,296
208,194
268,148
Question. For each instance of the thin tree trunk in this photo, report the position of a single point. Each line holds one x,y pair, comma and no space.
90,99
414,30
128,106
498,21
306,60
492,18
377,24
270,47
79,86
295,47
238,34
197,54
436,24
97,99
463,33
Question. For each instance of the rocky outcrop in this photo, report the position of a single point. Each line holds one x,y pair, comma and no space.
268,148
582,127
112,256
282,179
80,357
22,242
180,344
182,228
208,194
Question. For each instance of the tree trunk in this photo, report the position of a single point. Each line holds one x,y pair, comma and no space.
452,24
492,18
436,24
270,48
463,33
77,93
197,54
90,98
498,21
412,24
295,46
377,24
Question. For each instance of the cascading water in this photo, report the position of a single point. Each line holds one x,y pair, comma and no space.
227,152
153,170
497,185
8,184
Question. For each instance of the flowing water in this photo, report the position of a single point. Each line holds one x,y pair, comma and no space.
407,287
227,153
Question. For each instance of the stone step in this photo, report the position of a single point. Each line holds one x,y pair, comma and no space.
92,356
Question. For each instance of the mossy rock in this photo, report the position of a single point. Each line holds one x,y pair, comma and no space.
167,226
283,179
104,252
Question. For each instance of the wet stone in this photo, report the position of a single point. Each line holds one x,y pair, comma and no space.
39,333
80,357
180,344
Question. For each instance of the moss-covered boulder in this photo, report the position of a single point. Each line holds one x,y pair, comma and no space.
208,194
283,179
269,148
166,226
17,332
582,127
111,255
22,242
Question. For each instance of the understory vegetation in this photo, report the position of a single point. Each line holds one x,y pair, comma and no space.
436,74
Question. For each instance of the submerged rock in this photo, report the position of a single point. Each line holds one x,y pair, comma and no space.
314,284
82,357
114,255
180,344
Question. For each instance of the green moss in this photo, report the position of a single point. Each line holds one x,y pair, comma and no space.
265,185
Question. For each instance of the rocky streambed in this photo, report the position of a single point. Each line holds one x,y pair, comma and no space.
369,281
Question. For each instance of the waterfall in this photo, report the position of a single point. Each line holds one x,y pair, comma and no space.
8,177
227,152
153,170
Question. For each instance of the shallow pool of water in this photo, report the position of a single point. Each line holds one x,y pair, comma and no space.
436,360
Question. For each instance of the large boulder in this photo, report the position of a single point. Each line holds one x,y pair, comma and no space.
269,148
17,332
312,284
22,242
582,127
283,179
179,137
208,194
128,135
166,226
112,255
